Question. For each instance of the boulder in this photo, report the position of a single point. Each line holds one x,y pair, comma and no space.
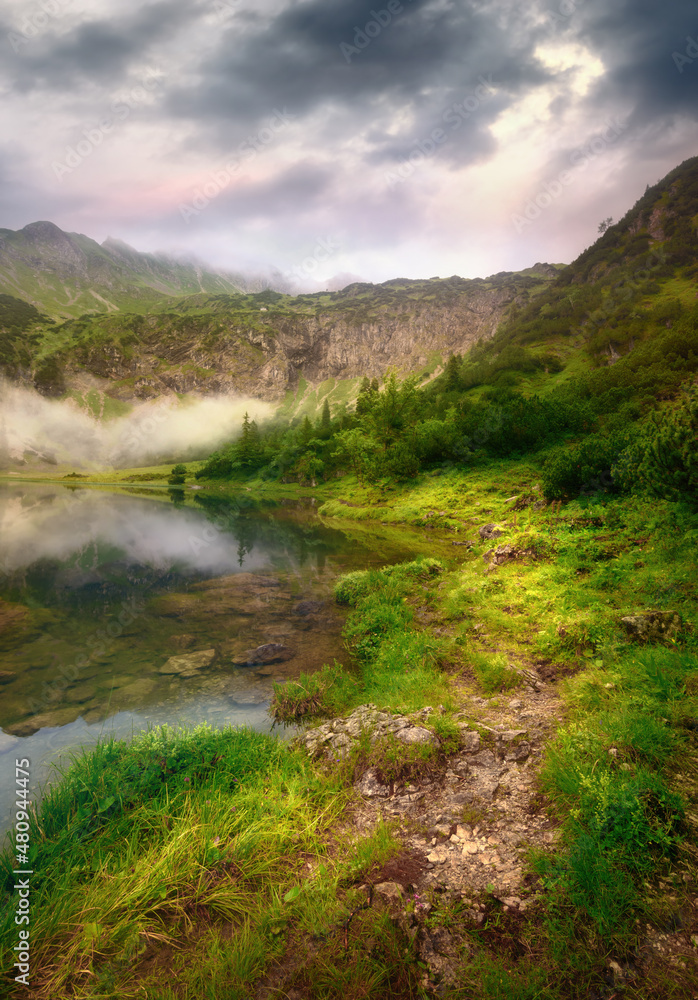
270,652
188,664
415,734
489,531
652,626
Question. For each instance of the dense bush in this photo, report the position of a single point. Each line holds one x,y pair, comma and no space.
663,459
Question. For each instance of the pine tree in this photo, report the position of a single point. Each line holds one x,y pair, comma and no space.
452,376
326,419
248,447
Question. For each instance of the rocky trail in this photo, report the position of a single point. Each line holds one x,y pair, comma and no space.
465,830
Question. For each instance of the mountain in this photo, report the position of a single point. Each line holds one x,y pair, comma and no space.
538,328
265,344
67,274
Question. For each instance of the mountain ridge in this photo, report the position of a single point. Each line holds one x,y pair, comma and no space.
68,274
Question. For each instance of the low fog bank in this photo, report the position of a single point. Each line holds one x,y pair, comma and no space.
58,432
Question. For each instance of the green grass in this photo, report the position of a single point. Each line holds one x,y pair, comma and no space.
127,851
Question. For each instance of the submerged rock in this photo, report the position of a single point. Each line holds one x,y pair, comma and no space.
6,676
270,652
46,720
308,607
188,664
184,641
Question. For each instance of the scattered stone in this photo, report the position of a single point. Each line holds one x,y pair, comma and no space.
519,753
338,736
652,626
188,664
270,652
371,786
500,555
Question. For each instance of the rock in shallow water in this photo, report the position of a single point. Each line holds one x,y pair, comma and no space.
270,652
187,664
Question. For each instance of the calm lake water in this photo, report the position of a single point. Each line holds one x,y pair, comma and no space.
99,591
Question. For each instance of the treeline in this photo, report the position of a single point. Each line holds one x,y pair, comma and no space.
600,431
395,431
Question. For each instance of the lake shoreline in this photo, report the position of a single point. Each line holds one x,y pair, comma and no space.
526,641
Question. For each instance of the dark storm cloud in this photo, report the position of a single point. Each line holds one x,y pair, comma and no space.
317,56
97,51
643,45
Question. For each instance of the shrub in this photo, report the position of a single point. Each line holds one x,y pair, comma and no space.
664,458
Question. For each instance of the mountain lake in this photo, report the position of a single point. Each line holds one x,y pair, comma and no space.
123,610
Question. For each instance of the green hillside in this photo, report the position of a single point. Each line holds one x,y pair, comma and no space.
579,374
68,274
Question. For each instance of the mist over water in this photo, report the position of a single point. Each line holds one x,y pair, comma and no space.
168,429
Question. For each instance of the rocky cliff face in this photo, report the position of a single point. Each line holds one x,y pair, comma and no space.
265,351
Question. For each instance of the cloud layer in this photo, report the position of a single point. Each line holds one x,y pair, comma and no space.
59,431
411,134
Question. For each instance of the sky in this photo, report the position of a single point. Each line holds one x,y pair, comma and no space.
335,140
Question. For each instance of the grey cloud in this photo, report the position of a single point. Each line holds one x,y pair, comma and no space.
427,58
96,51
636,41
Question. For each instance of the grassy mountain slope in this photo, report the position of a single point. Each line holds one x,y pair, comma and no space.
67,274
